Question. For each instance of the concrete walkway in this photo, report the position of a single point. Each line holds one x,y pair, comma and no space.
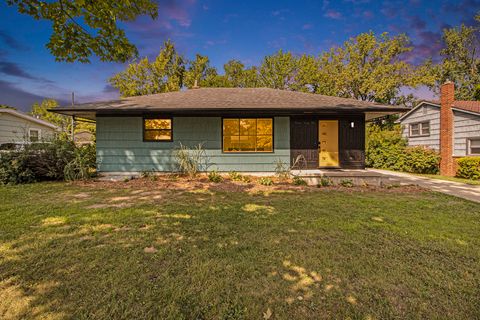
457,189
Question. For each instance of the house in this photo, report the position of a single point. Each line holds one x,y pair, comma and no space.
18,128
242,129
449,126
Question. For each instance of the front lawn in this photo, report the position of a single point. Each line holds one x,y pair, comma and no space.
173,250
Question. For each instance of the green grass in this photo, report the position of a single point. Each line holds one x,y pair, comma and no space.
454,179
126,251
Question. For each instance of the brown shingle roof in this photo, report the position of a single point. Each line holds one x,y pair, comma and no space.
228,99
472,106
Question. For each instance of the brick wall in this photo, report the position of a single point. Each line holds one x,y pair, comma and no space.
447,163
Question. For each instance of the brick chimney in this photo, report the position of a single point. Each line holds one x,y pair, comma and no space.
447,97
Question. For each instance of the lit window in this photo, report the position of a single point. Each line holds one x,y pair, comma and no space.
34,135
157,129
474,146
420,129
248,135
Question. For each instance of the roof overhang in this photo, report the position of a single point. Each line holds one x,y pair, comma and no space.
92,114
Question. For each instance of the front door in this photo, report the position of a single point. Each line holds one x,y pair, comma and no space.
328,143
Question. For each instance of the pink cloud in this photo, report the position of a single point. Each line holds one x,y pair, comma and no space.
307,26
333,14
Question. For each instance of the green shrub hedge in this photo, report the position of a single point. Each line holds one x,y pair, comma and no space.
55,160
387,149
468,168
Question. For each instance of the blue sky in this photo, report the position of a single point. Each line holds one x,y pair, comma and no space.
244,30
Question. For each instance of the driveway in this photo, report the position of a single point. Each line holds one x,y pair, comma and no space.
457,189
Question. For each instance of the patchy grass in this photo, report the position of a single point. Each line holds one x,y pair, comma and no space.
233,250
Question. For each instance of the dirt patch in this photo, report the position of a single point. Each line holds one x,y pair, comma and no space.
147,188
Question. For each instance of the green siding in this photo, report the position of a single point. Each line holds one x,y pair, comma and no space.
120,145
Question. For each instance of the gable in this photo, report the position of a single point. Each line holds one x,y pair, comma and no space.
422,110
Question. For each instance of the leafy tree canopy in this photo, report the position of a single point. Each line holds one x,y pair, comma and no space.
85,28
164,74
461,60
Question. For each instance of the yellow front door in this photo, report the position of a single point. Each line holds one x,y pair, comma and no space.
328,143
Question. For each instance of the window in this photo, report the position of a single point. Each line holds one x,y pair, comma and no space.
248,135
420,129
34,135
157,129
474,146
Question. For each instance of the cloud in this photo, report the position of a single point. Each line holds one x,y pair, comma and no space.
417,23
11,41
19,98
307,26
333,14
13,69
109,89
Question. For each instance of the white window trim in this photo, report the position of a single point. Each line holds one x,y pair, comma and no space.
30,135
420,129
469,146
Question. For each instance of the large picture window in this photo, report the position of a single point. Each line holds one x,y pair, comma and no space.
157,129
248,135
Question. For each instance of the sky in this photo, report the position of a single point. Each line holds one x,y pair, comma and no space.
223,30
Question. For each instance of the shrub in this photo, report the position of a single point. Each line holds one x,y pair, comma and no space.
81,167
469,168
347,183
266,181
214,176
299,181
325,182
420,160
55,160
191,160
235,176
384,148
282,170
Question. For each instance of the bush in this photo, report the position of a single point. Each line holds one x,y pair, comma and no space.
469,168
325,182
282,170
56,160
420,160
266,181
299,181
384,148
81,167
191,160
214,176
347,183
235,176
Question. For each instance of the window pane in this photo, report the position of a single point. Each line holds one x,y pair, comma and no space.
415,129
475,150
158,124
247,143
264,126
425,128
264,143
475,143
158,135
230,127
230,143
248,127
33,135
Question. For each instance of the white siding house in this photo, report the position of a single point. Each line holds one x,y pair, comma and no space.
17,127
421,127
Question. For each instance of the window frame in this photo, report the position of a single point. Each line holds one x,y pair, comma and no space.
30,135
161,118
469,146
420,129
249,117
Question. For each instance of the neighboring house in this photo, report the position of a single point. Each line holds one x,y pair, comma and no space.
83,137
18,128
242,129
449,126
